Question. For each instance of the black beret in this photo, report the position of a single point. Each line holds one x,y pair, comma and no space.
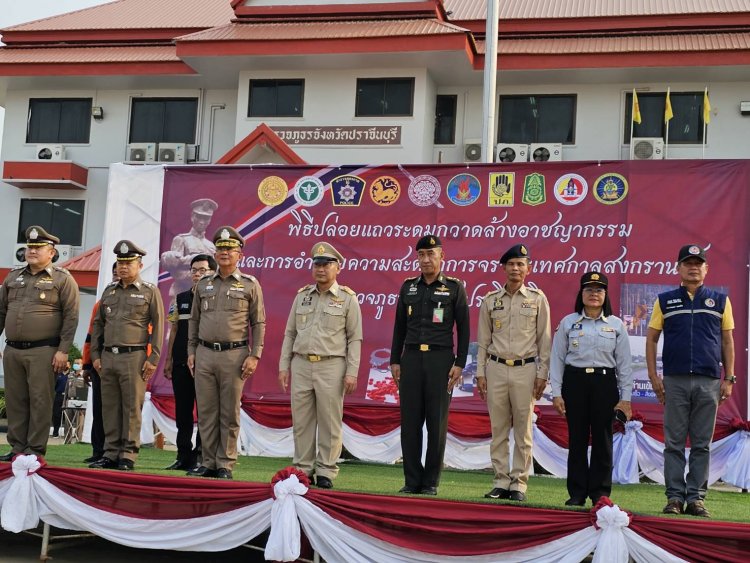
428,241
517,251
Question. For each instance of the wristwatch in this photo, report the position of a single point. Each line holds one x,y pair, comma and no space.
730,378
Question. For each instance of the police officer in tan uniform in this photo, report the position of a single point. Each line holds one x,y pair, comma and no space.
514,346
120,342
39,313
322,344
227,306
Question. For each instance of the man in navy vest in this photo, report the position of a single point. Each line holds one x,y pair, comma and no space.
697,324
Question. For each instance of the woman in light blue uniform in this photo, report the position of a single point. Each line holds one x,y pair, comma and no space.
591,379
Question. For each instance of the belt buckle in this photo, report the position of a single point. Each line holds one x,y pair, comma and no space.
590,370
115,350
313,358
216,346
424,347
510,363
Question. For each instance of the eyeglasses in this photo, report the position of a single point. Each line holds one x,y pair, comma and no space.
199,270
594,290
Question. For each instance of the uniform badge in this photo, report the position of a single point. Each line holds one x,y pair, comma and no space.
608,329
498,324
710,302
533,190
594,277
42,295
610,189
424,190
412,290
571,189
272,190
347,191
463,189
307,300
442,288
224,234
577,326
338,303
385,191
124,248
34,234
502,187
308,191
574,343
694,250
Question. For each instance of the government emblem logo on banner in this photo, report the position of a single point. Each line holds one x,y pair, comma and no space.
533,189
571,189
463,189
385,190
424,190
272,190
502,186
610,188
347,191
308,191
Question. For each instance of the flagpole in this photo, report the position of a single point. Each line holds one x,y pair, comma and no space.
490,80
705,95
666,143
632,122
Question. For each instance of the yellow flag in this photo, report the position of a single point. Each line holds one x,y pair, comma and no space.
668,109
636,108
706,108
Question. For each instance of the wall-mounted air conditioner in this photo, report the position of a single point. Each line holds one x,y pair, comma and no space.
142,152
172,152
19,254
543,152
472,150
63,253
50,152
507,152
648,148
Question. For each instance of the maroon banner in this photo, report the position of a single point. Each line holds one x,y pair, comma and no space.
625,218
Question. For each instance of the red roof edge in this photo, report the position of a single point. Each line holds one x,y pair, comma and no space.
262,134
418,8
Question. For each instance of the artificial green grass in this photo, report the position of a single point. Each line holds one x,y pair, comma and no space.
362,477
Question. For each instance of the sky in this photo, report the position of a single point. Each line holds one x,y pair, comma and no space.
13,12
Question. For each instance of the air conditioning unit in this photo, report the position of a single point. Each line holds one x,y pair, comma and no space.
19,254
172,152
63,253
142,152
648,148
50,152
543,152
472,150
512,153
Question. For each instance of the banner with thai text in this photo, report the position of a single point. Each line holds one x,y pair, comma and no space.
627,219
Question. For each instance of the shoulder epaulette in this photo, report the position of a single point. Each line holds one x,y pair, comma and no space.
301,289
149,284
535,290
17,269
492,293
111,284
453,279
347,290
61,269
248,277
413,278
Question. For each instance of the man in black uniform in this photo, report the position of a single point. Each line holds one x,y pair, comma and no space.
176,368
422,352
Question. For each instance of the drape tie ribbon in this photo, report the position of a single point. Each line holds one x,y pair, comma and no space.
284,540
20,511
611,546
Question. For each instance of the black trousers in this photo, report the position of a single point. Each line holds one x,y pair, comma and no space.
424,399
57,413
589,404
183,386
97,422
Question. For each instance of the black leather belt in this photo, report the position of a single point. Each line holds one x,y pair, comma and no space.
426,347
512,363
222,346
315,357
36,344
123,349
589,371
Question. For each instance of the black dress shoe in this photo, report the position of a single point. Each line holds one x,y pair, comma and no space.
104,463
575,501
178,464
92,459
497,492
7,457
323,482
126,464
517,496
406,489
223,473
431,491
201,471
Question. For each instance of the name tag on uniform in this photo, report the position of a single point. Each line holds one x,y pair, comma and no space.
527,304
446,293
412,289
138,295
437,315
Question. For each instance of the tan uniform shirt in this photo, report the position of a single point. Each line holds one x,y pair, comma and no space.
123,318
223,309
39,306
514,327
328,324
185,246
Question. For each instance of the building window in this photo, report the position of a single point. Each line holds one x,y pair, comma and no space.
163,120
686,125
378,97
538,119
276,98
59,120
445,120
60,217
